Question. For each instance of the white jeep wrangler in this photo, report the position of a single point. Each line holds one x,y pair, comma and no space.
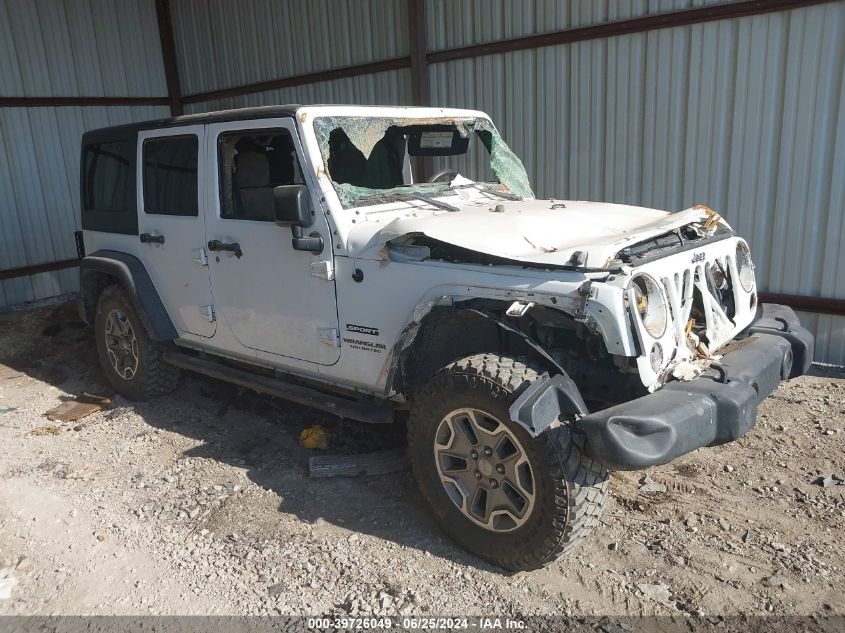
528,344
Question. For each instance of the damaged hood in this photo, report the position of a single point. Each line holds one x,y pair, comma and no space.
553,232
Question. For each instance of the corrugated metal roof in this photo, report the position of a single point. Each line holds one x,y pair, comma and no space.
221,44
745,115
39,190
66,48
458,23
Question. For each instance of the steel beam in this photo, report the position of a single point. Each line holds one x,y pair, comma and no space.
53,102
168,56
817,305
25,271
684,17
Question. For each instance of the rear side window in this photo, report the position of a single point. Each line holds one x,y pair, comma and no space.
170,175
107,177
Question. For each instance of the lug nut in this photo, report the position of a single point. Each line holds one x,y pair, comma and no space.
488,451
500,469
474,454
477,475
494,483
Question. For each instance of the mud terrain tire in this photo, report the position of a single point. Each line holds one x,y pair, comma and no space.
570,489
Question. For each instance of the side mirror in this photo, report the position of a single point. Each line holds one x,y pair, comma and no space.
292,207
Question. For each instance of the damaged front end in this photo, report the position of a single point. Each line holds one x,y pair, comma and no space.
717,407
708,352
688,293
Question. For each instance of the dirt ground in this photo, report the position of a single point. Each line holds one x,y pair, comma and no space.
200,503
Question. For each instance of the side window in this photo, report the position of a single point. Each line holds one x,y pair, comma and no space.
107,177
170,175
252,163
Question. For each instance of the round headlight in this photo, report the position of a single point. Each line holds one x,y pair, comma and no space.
650,305
744,267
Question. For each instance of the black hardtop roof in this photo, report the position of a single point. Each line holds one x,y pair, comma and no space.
221,116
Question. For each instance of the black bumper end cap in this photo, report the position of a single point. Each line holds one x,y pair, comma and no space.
779,320
546,400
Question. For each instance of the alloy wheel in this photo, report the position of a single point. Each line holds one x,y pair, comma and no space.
121,344
484,469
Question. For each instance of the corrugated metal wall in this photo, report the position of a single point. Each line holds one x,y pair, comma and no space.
39,190
746,115
80,48
62,48
392,87
221,44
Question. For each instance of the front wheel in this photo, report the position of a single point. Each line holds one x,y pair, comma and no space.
515,500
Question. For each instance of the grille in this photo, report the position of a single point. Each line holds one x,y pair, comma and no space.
702,304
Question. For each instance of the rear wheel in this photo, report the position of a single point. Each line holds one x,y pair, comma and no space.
512,499
131,360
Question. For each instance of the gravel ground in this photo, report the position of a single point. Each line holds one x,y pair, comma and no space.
200,503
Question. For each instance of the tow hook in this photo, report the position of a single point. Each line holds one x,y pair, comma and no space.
723,373
785,323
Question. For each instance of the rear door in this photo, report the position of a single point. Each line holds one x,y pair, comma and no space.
172,227
273,298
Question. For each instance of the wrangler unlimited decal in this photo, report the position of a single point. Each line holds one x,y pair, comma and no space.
367,346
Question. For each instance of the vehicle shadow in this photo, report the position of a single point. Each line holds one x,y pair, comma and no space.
247,430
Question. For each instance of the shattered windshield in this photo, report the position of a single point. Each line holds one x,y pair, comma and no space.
373,160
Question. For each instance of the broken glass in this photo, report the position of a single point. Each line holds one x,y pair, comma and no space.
367,158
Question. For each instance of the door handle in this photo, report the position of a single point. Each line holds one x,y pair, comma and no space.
146,238
231,247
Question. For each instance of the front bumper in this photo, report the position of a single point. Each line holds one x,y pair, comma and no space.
715,408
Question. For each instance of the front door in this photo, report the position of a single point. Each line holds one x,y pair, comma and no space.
273,298
171,227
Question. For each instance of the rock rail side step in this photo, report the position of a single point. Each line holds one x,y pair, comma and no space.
330,403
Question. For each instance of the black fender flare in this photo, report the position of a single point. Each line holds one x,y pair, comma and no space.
547,398
543,401
133,276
